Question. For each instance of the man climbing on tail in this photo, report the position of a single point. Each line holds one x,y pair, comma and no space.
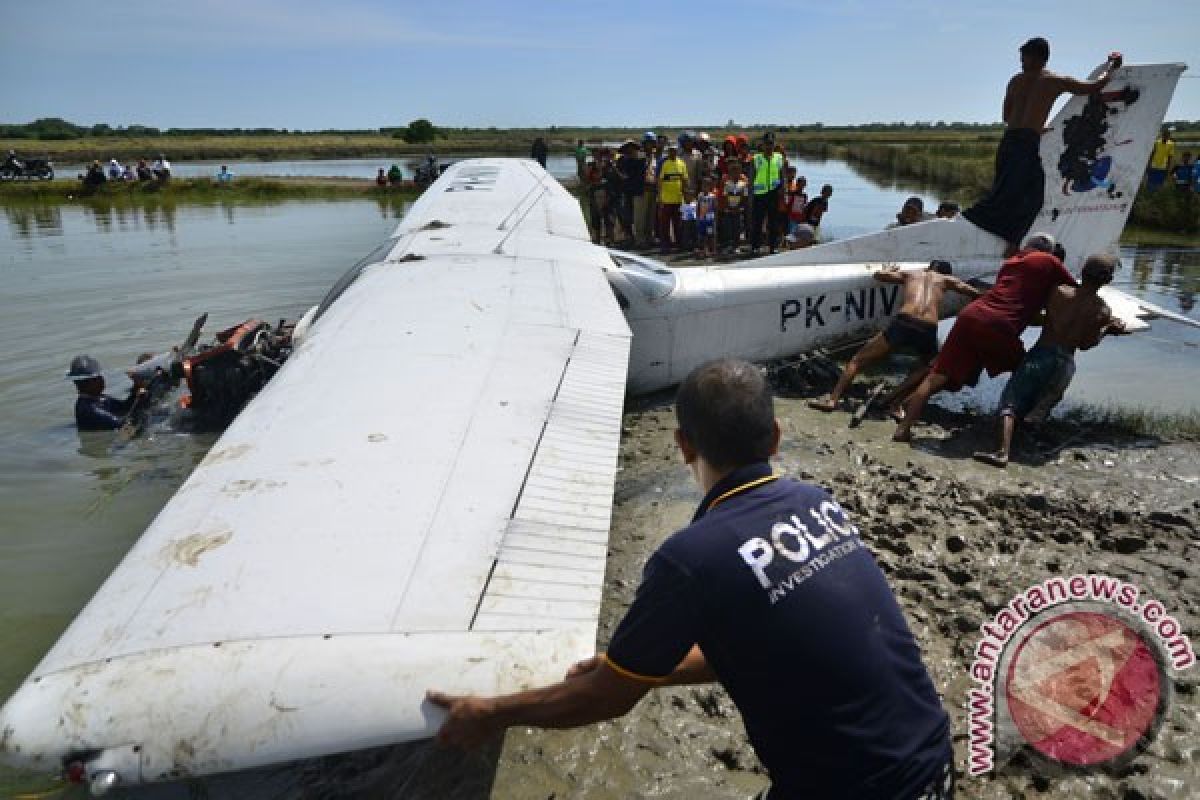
1011,206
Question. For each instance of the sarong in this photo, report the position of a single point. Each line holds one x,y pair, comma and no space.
1010,207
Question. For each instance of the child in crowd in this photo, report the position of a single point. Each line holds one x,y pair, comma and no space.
732,204
597,193
793,199
706,220
816,209
687,213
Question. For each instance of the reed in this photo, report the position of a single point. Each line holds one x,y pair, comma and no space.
203,190
1138,421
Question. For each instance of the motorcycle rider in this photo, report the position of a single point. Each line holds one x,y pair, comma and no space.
12,164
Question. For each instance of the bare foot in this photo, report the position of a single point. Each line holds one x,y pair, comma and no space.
995,459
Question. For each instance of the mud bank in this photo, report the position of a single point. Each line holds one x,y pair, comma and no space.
957,540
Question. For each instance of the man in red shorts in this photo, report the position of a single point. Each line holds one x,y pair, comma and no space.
987,332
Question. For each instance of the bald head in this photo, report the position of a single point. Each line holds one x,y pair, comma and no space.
725,410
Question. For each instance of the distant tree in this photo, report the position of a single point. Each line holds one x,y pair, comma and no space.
55,128
419,131
100,129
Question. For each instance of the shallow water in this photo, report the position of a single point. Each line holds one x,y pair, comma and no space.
114,282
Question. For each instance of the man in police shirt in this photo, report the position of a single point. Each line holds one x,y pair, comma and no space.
771,592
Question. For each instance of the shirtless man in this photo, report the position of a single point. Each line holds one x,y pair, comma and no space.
1010,207
914,328
1076,319
987,333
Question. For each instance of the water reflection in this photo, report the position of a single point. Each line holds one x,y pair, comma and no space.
1171,274
28,221
392,206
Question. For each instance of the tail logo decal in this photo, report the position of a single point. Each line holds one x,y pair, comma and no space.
1084,163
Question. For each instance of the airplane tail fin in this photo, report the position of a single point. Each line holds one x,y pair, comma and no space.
1094,155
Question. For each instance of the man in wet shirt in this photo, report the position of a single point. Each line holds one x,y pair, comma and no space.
94,410
771,592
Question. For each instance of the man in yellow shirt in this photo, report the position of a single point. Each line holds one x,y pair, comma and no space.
672,177
1160,161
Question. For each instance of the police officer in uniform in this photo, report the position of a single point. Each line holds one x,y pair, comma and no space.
94,410
767,177
771,592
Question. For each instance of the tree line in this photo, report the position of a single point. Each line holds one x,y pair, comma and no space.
421,131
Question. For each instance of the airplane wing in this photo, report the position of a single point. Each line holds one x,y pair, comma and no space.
1134,311
420,498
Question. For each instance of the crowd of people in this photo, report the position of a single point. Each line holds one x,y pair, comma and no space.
98,174
1184,174
691,196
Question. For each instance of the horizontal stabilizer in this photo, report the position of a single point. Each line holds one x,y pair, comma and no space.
1134,312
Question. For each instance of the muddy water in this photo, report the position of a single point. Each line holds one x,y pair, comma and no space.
558,166
117,281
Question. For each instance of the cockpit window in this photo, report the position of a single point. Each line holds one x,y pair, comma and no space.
652,280
374,257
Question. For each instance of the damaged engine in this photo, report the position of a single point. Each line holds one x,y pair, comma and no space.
221,376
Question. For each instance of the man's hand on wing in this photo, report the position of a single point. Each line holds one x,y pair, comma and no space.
470,721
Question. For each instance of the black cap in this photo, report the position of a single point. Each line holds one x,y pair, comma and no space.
84,368
1037,47
915,202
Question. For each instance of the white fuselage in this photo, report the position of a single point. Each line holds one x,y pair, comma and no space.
681,318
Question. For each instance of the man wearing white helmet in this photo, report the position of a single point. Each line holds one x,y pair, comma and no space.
987,333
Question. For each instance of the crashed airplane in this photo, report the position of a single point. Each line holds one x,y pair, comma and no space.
318,570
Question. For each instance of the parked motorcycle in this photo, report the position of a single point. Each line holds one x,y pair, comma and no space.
30,169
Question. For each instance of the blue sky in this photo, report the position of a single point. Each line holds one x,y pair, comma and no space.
368,63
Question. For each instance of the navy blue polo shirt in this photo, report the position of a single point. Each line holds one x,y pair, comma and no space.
773,583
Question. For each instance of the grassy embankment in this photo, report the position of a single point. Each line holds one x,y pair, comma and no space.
509,141
247,191
963,170
1133,421
954,160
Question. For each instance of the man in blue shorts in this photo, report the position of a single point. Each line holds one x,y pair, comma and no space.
1076,318
771,592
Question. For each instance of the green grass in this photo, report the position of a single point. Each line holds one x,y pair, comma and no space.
202,191
509,141
1135,421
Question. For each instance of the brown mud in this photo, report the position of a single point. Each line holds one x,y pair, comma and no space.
957,540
